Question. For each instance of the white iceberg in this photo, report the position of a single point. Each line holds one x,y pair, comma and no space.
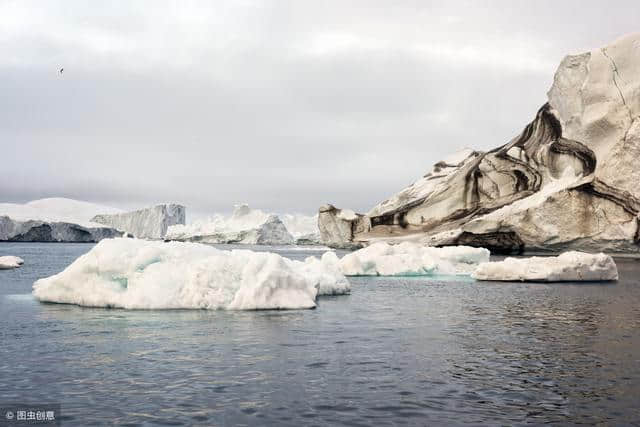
57,209
42,231
248,226
66,220
8,262
148,223
303,228
567,267
139,274
411,259
53,220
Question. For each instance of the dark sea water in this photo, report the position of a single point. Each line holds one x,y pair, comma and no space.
397,351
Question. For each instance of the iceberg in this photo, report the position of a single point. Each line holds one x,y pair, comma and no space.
249,226
303,228
56,209
142,274
570,266
67,220
54,220
339,227
8,262
41,231
149,223
411,259
568,181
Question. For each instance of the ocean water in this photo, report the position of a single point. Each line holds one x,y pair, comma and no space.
397,351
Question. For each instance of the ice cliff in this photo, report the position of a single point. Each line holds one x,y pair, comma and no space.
568,181
149,223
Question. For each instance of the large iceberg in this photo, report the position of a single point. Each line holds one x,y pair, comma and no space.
248,226
339,227
570,266
41,231
56,209
8,262
410,259
53,220
67,220
567,181
149,223
141,274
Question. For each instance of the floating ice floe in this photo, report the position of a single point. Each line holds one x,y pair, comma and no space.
249,226
410,259
138,274
570,266
8,262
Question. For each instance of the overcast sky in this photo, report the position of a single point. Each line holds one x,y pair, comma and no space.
284,105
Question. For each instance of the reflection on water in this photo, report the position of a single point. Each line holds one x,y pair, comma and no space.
407,350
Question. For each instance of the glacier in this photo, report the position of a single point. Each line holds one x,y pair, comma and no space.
146,274
249,226
8,262
570,266
411,259
568,181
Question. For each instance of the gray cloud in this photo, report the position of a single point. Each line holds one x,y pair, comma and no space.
285,105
